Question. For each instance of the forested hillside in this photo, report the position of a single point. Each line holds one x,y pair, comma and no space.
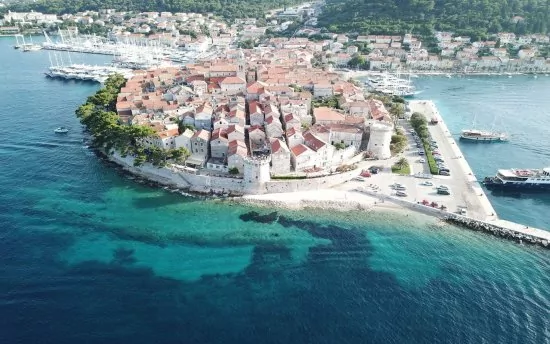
472,17
225,8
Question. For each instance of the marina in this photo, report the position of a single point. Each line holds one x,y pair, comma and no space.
390,84
86,72
127,53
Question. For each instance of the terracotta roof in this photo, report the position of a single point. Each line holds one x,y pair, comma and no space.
234,128
254,107
327,114
292,131
219,134
237,147
232,80
277,145
313,141
289,117
168,133
202,134
299,149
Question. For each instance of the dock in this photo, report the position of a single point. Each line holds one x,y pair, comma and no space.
463,182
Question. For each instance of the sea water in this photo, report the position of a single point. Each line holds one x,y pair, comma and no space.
88,255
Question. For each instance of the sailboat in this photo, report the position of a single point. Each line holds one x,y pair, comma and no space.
30,46
476,135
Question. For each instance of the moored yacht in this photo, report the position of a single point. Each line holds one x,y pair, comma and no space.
520,180
482,136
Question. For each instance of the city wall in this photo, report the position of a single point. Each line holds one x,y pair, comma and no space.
227,185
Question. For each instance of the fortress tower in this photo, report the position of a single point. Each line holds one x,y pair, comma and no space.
256,172
379,140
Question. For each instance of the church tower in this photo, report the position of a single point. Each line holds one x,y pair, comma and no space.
241,65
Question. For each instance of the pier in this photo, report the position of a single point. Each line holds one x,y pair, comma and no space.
465,186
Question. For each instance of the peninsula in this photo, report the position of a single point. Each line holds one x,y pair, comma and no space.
291,135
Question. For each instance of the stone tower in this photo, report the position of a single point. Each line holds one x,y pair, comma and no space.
379,140
241,65
256,173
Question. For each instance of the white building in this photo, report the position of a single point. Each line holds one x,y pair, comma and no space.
280,157
184,140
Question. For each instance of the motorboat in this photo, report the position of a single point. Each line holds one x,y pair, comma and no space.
61,130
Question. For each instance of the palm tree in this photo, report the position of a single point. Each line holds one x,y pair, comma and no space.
402,163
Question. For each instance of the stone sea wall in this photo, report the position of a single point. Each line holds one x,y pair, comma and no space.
225,185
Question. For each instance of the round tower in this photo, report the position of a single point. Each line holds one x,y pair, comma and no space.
256,170
379,140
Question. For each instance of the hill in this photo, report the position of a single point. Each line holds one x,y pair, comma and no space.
469,17
225,8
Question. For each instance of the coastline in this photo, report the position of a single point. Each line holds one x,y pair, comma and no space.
337,199
359,74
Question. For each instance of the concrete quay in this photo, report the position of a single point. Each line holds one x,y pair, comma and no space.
464,184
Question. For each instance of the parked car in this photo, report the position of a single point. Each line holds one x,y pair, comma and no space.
444,173
443,192
374,169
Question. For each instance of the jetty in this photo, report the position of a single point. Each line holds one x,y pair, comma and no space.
466,188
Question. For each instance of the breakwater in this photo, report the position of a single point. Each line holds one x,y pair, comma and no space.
498,230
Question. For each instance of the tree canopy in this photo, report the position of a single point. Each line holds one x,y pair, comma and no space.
225,8
464,17
99,116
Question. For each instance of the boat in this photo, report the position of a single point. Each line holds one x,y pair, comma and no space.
391,85
476,135
61,130
30,47
482,136
520,180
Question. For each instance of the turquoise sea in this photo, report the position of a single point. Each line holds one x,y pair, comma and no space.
87,255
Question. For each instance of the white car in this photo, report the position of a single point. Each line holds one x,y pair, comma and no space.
426,183
422,160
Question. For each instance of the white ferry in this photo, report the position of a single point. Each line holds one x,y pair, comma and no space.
482,136
520,180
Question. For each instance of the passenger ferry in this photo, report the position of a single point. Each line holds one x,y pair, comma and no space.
482,136
520,180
